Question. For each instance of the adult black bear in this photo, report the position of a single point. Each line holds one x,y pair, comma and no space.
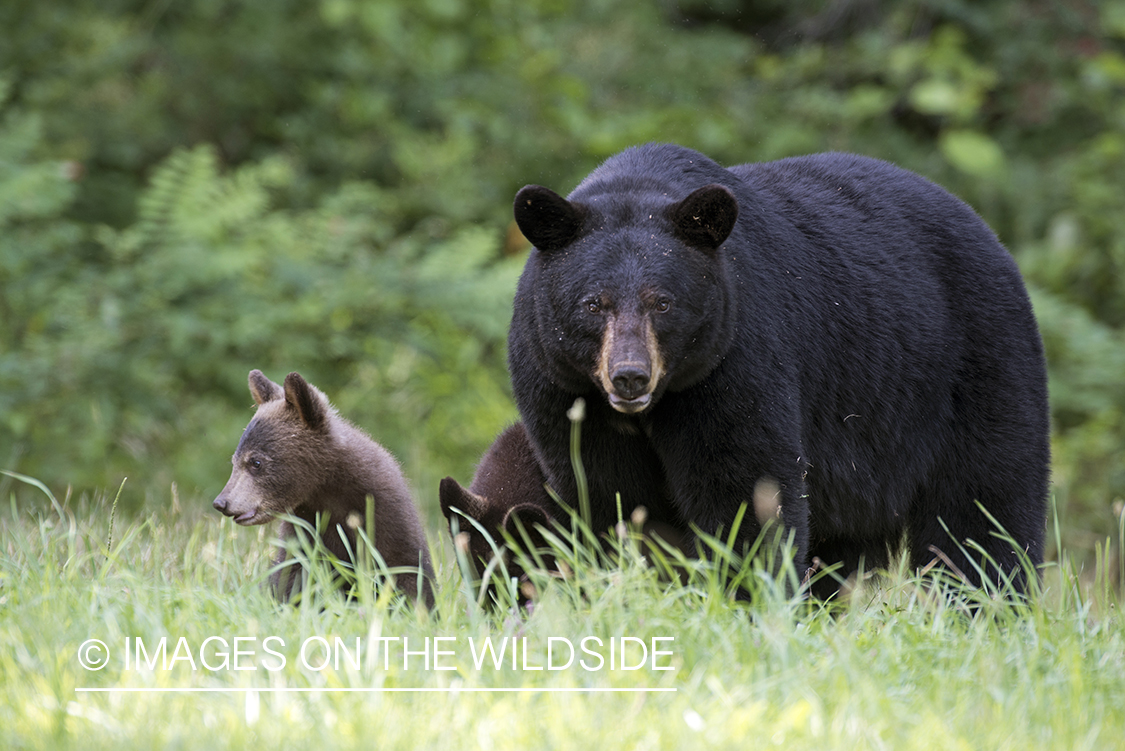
830,326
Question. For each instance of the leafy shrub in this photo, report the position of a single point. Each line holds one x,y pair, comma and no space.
141,360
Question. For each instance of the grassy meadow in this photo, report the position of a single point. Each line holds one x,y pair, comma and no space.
893,665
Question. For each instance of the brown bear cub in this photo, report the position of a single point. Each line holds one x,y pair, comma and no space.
299,457
509,484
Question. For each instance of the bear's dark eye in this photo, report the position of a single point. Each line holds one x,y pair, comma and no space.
593,306
255,463
663,304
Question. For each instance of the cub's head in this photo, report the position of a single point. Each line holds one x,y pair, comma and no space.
497,518
508,485
284,452
629,288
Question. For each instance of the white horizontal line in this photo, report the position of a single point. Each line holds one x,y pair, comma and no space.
374,690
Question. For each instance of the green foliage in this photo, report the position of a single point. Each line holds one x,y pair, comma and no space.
149,348
189,190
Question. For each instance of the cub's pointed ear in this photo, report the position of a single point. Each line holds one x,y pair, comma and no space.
706,217
309,403
454,496
546,219
263,389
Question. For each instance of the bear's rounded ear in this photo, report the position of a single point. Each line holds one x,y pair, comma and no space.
307,401
263,389
454,496
529,515
706,217
545,218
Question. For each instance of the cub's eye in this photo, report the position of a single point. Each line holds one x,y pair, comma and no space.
663,304
593,306
255,463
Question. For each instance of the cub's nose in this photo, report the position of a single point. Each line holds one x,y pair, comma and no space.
630,381
220,504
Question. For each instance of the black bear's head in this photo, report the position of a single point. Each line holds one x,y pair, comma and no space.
630,285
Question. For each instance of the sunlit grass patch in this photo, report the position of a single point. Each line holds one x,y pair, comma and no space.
896,663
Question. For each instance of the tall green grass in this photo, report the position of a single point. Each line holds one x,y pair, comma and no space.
897,663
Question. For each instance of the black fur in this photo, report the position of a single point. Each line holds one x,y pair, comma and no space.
551,221
705,218
856,334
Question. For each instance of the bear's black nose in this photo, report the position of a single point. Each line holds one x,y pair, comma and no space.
630,381
220,505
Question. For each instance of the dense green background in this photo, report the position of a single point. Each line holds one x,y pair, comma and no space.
192,189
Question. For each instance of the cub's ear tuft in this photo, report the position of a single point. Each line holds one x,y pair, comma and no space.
706,217
309,403
263,389
454,496
546,219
